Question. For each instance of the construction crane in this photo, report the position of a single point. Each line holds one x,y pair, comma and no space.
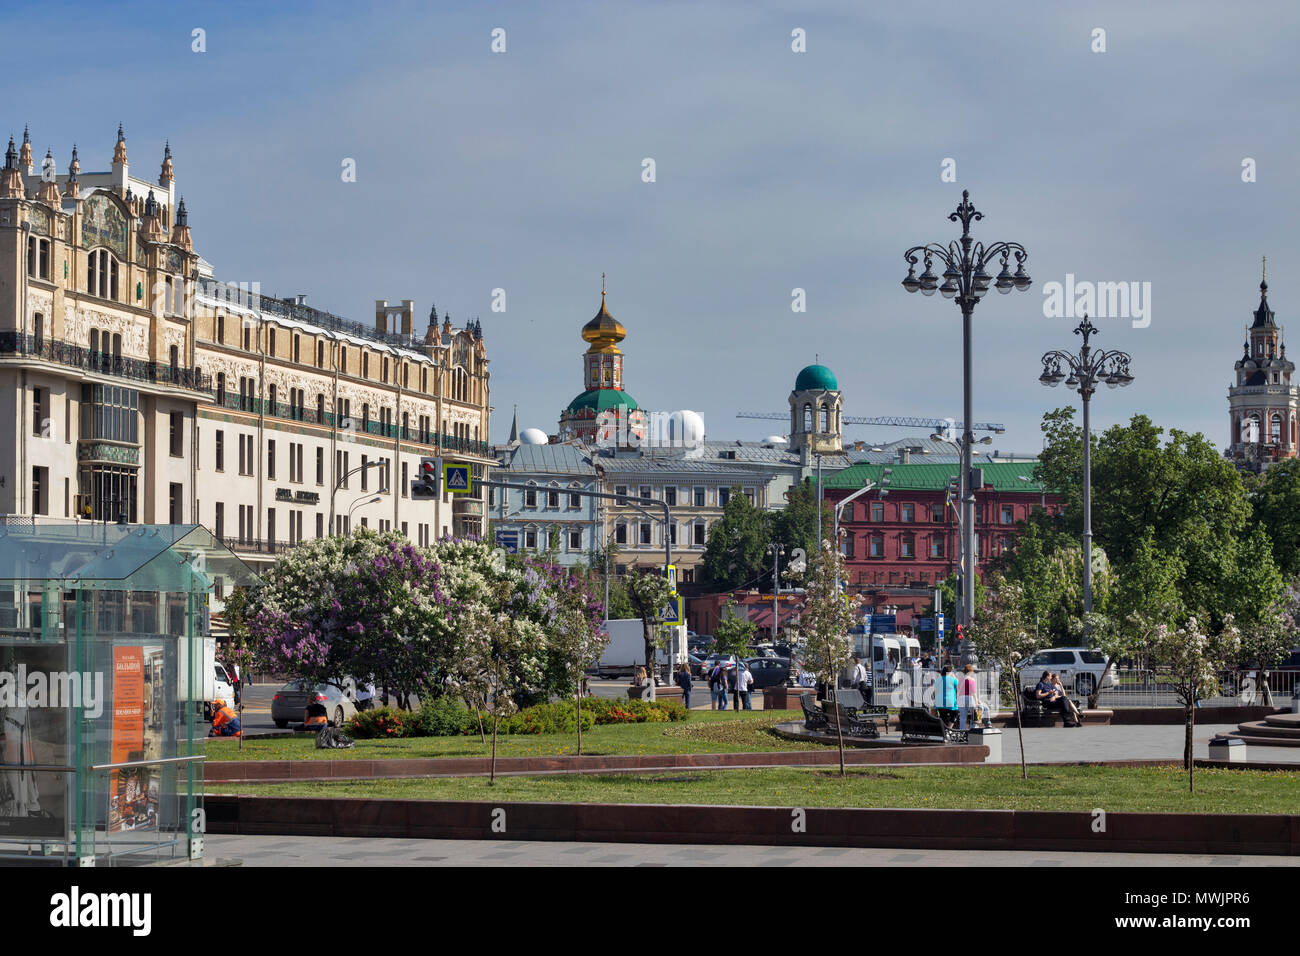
944,425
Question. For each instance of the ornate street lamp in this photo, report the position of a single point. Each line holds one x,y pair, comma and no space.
966,279
1086,369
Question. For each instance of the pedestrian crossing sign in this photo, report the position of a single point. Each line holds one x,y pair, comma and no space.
456,478
673,612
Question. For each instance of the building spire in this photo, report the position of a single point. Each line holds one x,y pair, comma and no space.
119,150
514,426
167,175
25,154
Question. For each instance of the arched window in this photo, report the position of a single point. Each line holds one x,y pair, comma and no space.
826,419
1275,430
807,418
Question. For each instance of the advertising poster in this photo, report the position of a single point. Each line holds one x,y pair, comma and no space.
133,791
36,697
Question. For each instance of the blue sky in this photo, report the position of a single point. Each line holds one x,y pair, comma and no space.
775,170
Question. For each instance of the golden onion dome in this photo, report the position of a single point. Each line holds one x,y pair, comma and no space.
604,329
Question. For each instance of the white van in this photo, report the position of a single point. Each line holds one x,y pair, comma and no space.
888,663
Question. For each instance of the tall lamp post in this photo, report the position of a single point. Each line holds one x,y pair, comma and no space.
1087,369
967,280
775,550
962,478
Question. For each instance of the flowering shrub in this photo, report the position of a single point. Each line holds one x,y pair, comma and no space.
384,723
448,718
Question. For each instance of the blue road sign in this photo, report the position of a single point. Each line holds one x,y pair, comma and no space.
673,612
456,478
508,541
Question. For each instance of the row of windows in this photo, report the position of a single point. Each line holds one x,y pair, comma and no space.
247,531
460,387
907,545
907,513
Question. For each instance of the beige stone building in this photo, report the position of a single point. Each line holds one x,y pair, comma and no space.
136,386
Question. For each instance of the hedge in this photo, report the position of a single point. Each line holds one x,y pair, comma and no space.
449,718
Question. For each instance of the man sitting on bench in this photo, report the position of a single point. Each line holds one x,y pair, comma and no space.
1048,694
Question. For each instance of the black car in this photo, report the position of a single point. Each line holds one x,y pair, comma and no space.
769,671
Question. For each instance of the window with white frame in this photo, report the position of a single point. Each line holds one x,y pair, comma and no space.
575,540
530,497
645,533
698,534
699,496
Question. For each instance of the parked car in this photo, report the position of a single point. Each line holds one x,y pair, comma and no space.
700,645
769,671
696,665
1080,669
289,705
712,661
763,650
225,690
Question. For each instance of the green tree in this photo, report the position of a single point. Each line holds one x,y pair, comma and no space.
823,626
1195,656
1267,639
734,631
1275,507
1000,636
1145,596
795,526
736,553
1180,493
648,593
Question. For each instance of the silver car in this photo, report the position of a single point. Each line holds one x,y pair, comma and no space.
289,706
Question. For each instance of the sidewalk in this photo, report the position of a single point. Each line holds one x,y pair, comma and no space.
1127,742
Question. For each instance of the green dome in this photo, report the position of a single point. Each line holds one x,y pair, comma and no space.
816,377
597,400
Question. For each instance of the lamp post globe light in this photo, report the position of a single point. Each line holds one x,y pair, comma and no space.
1086,370
966,279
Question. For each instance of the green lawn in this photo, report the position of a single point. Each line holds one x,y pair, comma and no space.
705,732
1114,789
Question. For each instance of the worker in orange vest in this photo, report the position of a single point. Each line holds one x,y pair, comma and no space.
316,718
225,722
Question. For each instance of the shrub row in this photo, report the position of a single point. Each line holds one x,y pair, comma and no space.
449,718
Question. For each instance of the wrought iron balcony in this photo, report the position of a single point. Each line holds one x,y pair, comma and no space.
102,363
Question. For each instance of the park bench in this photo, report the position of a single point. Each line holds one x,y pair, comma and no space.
849,720
813,719
920,726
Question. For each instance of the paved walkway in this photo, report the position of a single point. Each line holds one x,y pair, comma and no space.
1127,742
331,851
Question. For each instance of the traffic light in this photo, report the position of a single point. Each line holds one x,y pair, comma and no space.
427,478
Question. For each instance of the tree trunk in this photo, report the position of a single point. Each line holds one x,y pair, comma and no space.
492,773
478,715
1020,726
1189,754
649,651
1096,690
578,697
1268,691
839,726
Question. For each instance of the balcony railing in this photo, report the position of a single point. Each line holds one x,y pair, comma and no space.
102,363
215,289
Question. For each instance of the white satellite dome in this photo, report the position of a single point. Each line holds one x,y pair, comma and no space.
533,436
686,428
775,440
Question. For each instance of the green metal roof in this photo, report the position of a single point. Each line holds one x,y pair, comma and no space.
1003,476
602,399
815,377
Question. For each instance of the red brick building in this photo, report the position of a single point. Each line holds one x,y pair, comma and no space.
899,545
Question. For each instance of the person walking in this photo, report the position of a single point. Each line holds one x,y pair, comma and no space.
733,685
946,699
862,680
968,698
684,682
744,682
718,687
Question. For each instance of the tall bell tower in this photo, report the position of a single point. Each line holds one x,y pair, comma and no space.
1263,405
